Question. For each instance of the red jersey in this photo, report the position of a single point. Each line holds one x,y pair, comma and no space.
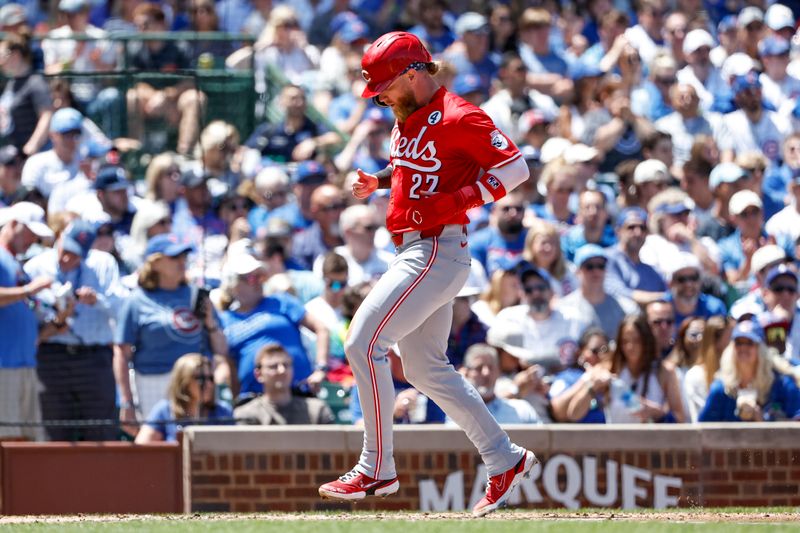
442,147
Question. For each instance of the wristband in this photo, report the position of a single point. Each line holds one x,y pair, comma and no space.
493,185
322,366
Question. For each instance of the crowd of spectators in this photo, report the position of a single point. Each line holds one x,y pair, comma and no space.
646,272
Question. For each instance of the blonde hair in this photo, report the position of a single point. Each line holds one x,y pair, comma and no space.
493,292
554,168
279,16
535,16
180,382
217,134
148,275
540,228
708,355
729,375
158,165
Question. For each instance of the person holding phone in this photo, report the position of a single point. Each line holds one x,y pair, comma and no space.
749,386
163,319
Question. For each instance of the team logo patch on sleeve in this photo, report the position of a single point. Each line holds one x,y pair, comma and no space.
499,140
493,182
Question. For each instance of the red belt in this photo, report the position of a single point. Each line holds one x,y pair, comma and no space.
397,238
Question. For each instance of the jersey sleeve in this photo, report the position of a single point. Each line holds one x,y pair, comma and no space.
480,140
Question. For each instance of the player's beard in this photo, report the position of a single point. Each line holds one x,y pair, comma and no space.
404,107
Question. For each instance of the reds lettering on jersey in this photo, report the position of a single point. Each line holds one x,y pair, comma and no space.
442,147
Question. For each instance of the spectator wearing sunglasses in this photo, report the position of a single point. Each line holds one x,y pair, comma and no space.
504,238
324,234
190,401
780,300
548,333
684,291
660,316
328,307
577,392
365,262
591,302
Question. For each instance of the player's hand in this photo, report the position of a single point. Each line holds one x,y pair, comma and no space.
364,185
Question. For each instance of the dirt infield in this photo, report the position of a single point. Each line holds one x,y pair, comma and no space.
695,516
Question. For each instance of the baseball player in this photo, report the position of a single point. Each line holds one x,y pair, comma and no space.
446,157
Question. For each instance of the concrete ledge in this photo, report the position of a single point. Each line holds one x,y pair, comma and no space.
778,436
553,438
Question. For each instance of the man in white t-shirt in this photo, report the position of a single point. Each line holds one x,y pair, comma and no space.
365,262
45,170
549,337
751,128
778,87
700,72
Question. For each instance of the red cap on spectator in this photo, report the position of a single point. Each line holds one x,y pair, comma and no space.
388,57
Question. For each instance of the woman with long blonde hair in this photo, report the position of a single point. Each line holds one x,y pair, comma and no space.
716,336
748,387
543,250
503,291
190,399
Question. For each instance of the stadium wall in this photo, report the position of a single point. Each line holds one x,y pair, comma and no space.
248,469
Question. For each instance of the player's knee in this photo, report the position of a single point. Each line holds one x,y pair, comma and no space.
355,348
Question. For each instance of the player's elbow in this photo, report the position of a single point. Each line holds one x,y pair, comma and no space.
513,174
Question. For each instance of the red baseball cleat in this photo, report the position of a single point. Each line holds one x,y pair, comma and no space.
356,486
500,486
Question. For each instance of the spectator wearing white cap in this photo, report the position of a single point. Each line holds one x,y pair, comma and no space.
737,249
673,229
779,88
750,22
764,259
45,170
786,222
650,178
684,290
751,128
20,226
507,105
699,72
725,180
781,21
686,122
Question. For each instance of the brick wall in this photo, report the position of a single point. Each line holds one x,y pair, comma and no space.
273,469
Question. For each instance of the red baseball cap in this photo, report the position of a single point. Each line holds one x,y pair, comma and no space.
388,57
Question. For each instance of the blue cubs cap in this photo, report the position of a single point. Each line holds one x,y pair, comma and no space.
745,82
66,119
630,214
773,46
353,31
676,208
588,251
778,271
467,83
581,69
79,237
725,173
727,23
94,149
167,244
310,173
748,329
527,270
111,178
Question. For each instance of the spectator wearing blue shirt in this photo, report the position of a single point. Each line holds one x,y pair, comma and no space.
470,54
626,274
270,191
307,177
594,227
749,389
323,235
547,70
82,303
432,29
252,320
161,321
188,400
20,226
577,392
504,238
737,249
684,291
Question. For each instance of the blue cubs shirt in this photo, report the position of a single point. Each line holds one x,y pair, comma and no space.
161,326
18,324
275,319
